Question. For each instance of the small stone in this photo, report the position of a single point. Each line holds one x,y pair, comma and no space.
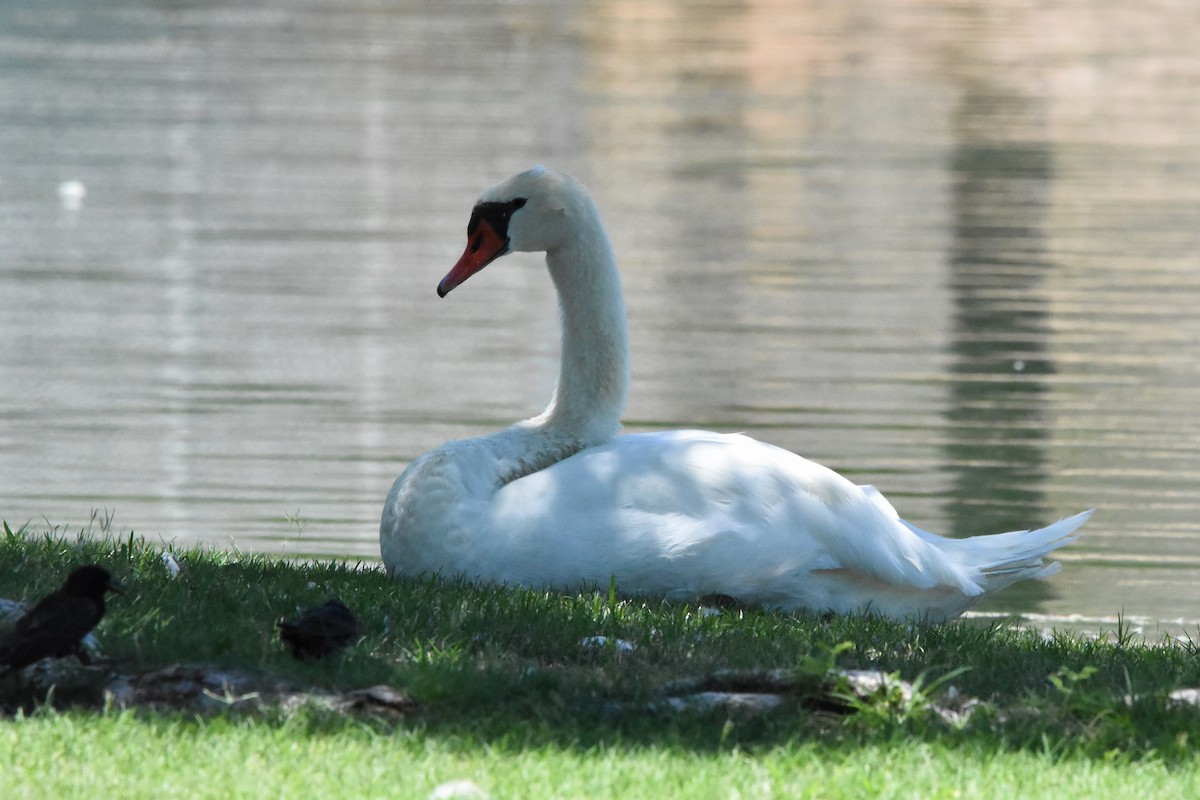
601,642
458,789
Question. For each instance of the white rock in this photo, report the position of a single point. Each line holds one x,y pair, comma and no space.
600,642
458,789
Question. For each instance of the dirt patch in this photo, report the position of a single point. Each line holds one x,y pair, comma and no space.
193,688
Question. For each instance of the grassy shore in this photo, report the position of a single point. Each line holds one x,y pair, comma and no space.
507,689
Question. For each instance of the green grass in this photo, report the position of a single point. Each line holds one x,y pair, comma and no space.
508,698
123,755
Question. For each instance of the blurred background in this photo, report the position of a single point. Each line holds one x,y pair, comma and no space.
951,249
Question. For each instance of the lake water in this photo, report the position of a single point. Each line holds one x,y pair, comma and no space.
950,249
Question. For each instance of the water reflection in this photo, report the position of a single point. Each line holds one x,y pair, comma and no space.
998,261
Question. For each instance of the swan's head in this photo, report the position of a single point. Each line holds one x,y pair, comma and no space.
530,212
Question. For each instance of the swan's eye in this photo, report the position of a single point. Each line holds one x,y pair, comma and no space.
495,217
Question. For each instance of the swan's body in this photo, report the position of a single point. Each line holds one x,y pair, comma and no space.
561,501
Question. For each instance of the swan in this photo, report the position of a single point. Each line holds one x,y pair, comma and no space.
562,502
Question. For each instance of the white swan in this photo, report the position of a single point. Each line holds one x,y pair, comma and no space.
561,501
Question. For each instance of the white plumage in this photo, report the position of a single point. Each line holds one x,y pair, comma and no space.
562,501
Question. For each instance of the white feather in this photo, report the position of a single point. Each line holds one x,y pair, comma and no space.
559,501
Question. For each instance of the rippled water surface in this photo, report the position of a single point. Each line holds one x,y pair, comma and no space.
951,249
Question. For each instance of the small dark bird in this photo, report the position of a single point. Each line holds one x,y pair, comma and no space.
319,630
55,627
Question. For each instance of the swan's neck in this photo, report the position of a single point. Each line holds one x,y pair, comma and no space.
594,377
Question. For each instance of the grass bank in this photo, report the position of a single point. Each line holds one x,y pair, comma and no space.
509,690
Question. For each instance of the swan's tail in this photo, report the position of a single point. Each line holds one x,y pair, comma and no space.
1000,559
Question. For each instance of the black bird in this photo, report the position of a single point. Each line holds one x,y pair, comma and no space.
319,630
55,627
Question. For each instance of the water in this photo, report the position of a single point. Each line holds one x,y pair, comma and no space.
949,249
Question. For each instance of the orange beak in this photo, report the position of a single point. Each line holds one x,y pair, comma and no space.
484,246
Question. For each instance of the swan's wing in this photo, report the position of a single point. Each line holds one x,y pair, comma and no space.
711,504
885,507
